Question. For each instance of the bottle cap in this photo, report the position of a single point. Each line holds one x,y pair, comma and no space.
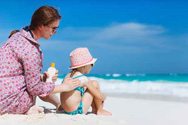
52,64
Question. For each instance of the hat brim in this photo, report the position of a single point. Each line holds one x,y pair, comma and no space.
91,62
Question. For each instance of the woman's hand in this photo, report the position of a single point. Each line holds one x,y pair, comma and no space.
69,84
54,78
46,75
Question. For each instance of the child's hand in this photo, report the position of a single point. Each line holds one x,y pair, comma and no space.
69,84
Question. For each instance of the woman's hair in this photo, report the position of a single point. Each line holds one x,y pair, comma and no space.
44,16
13,32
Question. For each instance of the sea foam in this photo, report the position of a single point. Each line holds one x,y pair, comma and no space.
178,89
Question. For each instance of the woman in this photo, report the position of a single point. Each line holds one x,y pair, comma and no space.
21,63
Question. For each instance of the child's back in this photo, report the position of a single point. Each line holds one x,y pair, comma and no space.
72,99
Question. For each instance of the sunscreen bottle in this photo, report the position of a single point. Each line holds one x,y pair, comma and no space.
51,72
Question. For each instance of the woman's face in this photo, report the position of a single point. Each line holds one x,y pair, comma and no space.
49,30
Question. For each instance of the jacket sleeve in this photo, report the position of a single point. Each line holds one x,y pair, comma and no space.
30,57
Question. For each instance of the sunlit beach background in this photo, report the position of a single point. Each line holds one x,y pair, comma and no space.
141,47
172,87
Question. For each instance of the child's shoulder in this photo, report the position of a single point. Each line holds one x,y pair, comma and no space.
78,74
81,77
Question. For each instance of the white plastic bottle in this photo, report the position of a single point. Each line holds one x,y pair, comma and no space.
51,72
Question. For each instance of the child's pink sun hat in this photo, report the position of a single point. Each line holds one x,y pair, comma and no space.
81,57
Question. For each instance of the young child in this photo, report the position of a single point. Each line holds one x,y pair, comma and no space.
88,93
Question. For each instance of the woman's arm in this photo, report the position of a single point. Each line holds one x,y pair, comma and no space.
30,58
67,85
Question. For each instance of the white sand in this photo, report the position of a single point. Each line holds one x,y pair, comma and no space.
125,112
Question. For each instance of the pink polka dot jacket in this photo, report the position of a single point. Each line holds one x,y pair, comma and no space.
20,67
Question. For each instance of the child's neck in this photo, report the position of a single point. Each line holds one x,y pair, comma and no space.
75,73
81,70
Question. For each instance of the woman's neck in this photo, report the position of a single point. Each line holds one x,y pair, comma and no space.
36,34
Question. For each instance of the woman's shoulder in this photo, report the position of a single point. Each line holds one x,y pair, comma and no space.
18,39
23,37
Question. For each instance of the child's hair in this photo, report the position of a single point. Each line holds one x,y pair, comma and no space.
13,32
73,72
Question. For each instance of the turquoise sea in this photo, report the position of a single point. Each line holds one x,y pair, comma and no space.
175,85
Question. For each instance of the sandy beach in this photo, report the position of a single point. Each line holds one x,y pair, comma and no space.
126,111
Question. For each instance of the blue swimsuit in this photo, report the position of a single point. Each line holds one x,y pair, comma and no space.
80,107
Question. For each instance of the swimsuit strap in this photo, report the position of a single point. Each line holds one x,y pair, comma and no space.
81,89
77,76
78,111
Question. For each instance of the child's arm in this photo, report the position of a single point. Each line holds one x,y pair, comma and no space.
95,92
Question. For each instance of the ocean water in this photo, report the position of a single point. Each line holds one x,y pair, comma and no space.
175,85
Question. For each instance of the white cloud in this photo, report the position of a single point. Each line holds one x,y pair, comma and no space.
129,32
120,36
124,31
124,36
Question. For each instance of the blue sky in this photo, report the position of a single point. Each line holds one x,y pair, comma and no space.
133,37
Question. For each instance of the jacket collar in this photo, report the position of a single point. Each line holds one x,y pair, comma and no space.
28,36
